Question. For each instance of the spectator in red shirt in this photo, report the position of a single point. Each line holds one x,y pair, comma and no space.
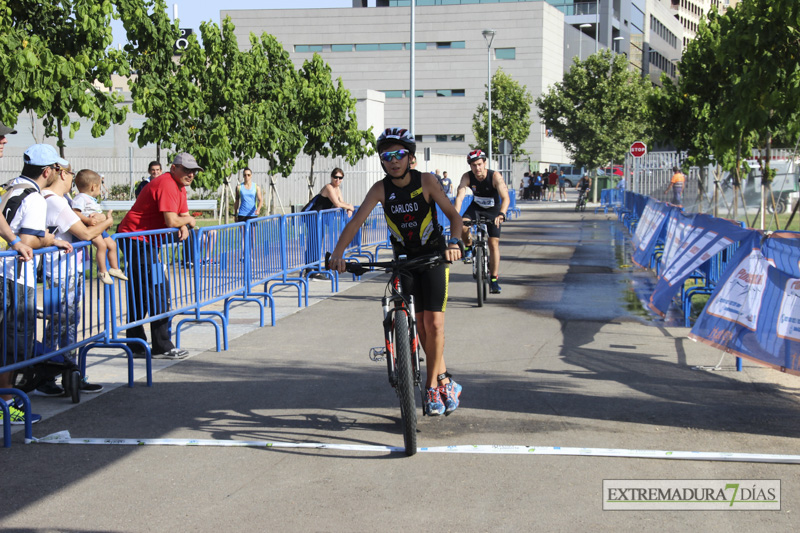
552,181
162,204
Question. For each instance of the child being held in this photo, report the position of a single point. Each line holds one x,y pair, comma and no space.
84,204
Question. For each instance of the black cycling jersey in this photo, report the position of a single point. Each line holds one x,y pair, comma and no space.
486,196
413,223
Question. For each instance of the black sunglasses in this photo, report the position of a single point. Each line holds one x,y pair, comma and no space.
338,177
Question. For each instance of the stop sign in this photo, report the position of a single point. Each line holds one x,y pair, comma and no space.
638,149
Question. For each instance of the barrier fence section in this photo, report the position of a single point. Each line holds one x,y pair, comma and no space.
52,324
753,307
265,262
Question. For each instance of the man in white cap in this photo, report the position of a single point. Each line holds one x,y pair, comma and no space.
162,204
24,208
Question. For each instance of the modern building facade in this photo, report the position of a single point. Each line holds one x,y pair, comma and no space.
369,49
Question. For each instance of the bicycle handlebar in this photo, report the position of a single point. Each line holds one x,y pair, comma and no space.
395,264
482,219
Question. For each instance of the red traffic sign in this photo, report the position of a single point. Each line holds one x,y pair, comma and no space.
638,149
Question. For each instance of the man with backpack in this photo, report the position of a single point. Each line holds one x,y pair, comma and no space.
24,208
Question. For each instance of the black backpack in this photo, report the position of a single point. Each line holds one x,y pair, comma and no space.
10,205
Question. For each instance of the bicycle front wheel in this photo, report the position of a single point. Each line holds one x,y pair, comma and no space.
486,274
480,273
405,381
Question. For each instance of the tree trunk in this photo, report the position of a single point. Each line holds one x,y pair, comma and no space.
60,141
311,178
271,195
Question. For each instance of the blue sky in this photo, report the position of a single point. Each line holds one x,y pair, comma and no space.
192,12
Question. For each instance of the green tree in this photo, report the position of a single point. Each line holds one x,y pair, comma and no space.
78,35
511,111
598,110
327,116
158,92
272,128
211,121
26,66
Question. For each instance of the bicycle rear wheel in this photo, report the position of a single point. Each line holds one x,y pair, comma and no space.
405,381
480,273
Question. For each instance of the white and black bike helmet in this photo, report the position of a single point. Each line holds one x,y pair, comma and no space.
397,136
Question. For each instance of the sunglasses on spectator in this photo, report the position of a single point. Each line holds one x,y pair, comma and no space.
190,170
397,154
338,177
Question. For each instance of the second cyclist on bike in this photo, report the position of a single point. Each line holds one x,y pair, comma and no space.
490,199
409,200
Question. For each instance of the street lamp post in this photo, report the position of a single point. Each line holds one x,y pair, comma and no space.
488,36
580,43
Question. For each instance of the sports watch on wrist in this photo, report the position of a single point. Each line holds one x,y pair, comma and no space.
457,242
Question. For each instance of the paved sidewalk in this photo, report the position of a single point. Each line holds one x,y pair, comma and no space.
565,356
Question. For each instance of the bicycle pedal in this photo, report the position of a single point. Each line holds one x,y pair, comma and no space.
377,354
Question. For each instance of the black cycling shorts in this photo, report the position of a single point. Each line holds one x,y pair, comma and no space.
474,210
428,286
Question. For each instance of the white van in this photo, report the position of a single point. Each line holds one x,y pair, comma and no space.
572,173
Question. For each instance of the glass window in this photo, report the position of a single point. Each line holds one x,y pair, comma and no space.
390,46
366,47
457,138
505,53
444,45
441,138
444,92
341,48
458,92
307,48
458,44
420,46
394,94
419,93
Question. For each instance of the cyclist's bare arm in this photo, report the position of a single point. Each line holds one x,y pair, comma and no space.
432,191
502,190
462,191
373,197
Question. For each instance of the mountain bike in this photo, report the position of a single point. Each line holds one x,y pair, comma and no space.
401,347
580,205
480,256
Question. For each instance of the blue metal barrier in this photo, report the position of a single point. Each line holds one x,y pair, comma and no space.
297,234
265,260
219,257
161,285
513,210
57,321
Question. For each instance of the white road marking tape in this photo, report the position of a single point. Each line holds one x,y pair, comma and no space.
63,437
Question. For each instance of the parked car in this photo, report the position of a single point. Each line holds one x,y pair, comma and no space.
784,183
572,173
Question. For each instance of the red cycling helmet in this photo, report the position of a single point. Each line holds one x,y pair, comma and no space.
475,155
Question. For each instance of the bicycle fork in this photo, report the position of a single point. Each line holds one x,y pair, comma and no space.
388,351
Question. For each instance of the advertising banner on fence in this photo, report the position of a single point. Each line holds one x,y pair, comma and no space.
648,230
755,310
679,225
706,237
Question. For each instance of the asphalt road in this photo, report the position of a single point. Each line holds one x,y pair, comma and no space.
565,356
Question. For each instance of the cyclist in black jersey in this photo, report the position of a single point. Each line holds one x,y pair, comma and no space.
409,200
490,198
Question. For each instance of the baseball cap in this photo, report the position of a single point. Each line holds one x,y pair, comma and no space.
42,155
5,130
187,161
